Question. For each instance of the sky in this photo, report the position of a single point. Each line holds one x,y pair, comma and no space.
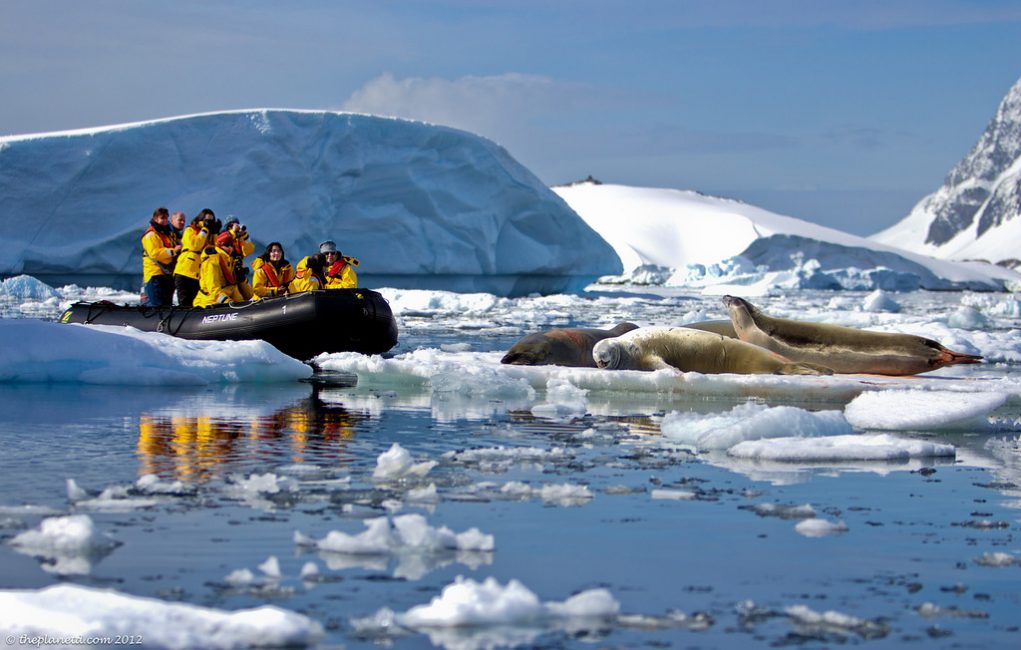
842,113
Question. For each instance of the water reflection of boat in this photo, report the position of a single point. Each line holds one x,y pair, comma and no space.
195,447
300,325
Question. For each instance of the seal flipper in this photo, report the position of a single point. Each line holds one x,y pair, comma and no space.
793,368
950,358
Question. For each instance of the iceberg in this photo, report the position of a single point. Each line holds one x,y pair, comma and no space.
421,206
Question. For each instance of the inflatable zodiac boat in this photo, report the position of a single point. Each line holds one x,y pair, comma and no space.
300,325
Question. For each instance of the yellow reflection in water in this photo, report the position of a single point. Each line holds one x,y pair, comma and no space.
194,448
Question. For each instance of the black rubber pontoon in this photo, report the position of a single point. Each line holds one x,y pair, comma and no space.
300,325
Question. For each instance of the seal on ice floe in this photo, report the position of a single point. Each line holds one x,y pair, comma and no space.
844,349
693,350
561,347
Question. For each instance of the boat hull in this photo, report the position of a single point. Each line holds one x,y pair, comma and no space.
302,325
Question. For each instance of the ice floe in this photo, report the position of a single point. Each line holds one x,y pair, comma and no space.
72,611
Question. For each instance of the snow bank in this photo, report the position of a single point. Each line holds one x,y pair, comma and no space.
37,351
419,205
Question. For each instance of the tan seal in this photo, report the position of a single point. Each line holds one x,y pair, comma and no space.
692,350
844,349
561,347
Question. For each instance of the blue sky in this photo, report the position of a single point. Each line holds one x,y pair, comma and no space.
844,113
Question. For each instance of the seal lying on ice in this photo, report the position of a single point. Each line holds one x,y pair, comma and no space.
561,347
573,346
844,349
693,350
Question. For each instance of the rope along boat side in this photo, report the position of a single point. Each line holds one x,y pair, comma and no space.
300,325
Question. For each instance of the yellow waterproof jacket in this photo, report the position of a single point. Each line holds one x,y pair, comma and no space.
342,274
218,282
270,281
243,246
157,254
194,240
304,279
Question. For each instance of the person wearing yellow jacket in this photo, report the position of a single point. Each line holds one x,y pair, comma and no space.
159,251
338,270
199,235
308,276
243,245
271,272
222,275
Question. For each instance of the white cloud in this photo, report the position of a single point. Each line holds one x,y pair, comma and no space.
494,106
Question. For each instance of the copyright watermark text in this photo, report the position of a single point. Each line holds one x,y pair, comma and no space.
43,640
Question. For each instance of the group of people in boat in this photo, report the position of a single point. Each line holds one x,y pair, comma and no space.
204,263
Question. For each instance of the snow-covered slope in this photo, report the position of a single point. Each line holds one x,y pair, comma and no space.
419,205
976,214
686,232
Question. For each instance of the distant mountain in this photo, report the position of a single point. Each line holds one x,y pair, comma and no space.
976,214
685,238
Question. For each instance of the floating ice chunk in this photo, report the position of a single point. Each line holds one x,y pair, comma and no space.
56,536
820,527
592,603
151,484
397,463
563,399
309,571
879,300
968,318
517,489
466,603
500,459
25,287
835,448
267,483
676,495
376,539
912,410
240,578
932,610
75,492
407,532
415,533
998,559
28,509
271,567
565,494
71,610
66,543
834,621
426,495
805,511
99,354
749,421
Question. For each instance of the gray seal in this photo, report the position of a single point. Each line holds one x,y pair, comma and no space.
561,347
693,350
844,349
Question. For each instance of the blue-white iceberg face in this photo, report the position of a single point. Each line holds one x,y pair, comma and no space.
410,200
